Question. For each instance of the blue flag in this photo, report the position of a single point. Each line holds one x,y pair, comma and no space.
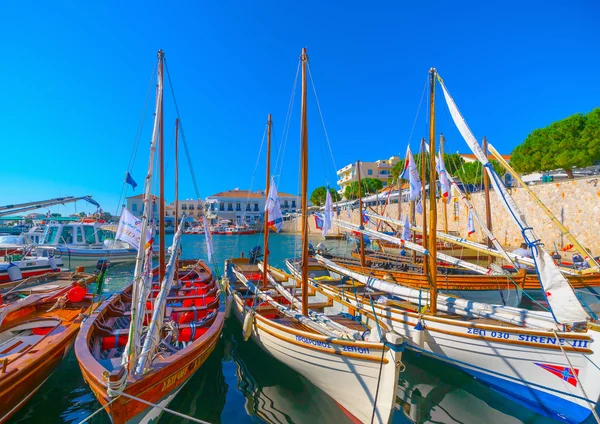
129,180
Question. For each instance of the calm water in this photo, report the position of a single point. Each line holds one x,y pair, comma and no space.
241,384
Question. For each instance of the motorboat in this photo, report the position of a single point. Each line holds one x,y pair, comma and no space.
83,243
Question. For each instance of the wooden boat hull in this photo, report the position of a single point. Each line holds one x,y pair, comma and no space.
24,372
523,364
158,386
350,373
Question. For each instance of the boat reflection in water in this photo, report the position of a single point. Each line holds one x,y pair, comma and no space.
431,392
275,393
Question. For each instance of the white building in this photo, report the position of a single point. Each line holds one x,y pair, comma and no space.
379,170
243,206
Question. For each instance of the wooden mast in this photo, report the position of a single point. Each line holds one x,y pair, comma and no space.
432,196
268,187
488,210
442,198
360,218
176,171
424,239
161,166
304,179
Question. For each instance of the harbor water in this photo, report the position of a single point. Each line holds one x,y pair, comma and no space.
240,383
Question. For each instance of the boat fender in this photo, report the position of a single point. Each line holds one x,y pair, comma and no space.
228,304
76,294
372,336
247,327
418,334
52,263
14,272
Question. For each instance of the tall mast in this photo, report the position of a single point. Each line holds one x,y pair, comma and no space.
432,196
304,166
488,210
425,241
176,171
442,198
360,218
268,187
161,167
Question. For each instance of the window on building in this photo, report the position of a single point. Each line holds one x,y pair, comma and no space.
222,207
230,206
134,207
384,183
293,204
286,204
183,207
191,207
256,207
370,172
248,207
238,206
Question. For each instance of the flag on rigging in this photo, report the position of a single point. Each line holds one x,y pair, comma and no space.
406,229
327,215
411,174
130,229
273,209
318,222
419,207
129,180
470,224
444,181
208,239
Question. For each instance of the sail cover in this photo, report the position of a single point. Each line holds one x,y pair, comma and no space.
563,301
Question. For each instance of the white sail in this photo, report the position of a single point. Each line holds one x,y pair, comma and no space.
155,327
374,235
449,304
560,295
327,213
140,289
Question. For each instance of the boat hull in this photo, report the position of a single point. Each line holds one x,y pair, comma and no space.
168,373
29,362
526,365
351,380
75,257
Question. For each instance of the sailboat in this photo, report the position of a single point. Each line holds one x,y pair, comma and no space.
142,345
545,360
357,365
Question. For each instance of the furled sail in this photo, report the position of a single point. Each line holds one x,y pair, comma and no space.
562,299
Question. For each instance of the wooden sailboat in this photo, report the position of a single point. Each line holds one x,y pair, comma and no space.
36,333
141,346
548,361
355,364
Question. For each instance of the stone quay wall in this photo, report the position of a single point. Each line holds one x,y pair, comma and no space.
575,203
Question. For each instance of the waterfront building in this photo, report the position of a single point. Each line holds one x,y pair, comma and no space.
244,206
379,170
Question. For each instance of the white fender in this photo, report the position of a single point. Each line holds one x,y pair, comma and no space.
228,304
418,334
247,327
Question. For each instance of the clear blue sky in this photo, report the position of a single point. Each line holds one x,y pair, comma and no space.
75,76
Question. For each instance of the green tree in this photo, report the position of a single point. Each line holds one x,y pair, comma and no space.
368,186
56,215
472,172
82,214
319,194
570,142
